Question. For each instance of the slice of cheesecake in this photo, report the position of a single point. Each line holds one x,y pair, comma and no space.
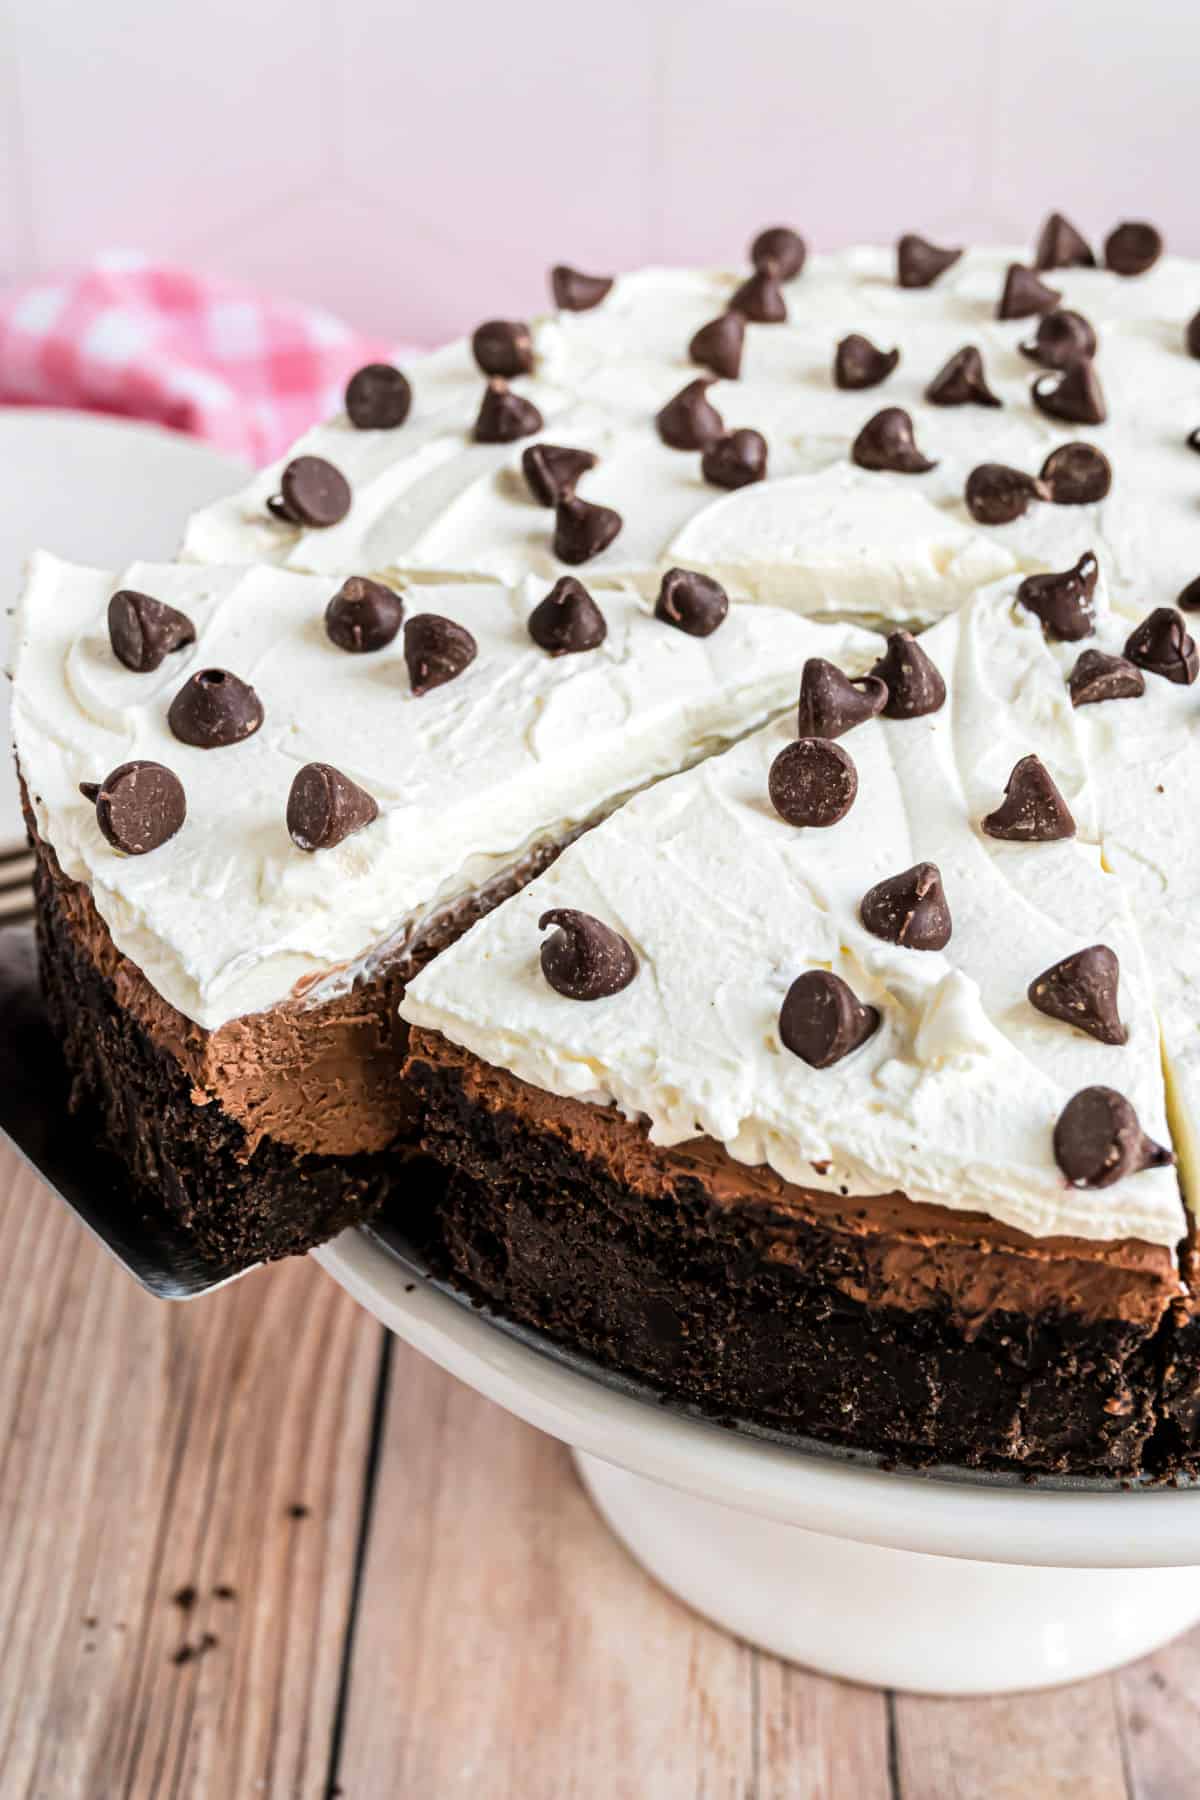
1138,716
261,801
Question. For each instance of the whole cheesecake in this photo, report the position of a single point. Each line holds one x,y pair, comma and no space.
526,805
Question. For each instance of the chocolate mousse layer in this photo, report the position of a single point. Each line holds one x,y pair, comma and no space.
874,1322
268,1135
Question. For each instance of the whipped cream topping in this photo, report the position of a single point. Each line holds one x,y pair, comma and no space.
821,535
954,1099
230,916
1141,758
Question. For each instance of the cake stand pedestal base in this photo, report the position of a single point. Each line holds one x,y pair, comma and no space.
890,1618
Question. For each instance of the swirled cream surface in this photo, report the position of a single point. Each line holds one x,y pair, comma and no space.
820,534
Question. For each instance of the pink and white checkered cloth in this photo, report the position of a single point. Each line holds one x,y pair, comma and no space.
139,338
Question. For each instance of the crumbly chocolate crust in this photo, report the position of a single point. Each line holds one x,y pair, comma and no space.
747,1309
1178,1446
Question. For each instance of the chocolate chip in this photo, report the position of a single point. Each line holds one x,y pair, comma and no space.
214,708
551,471
886,442
505,416
996,494
1192,335
378,398
1062,338
718,345
1060,246
1063,601
909,909
919,263
363,615
821,1020
1025,294
1075,396
1189,597
914,684
1098,676
1132,248
314,492
690,421
1162,646
1077,474
1081,990
583,959
812,782
735,460
1032,811
760,299
857,363
503,347
143,631
962,382
567,620
1098,1140
436,650
582,530
575,292
692,603
1193,439
325,806
139,806
781,246
831,704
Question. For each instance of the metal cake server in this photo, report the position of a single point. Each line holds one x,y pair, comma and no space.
34,1117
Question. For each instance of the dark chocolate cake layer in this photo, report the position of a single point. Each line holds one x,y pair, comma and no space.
1178,1441
873,1323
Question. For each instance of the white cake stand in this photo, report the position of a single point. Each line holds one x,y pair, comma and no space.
878,1576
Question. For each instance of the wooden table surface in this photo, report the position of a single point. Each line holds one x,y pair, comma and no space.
251,1546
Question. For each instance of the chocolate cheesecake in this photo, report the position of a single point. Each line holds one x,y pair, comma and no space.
261,801
873,1143
477,819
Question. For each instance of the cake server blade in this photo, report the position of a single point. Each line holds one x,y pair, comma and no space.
34,1086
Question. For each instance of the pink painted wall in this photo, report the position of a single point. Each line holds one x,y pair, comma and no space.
417,165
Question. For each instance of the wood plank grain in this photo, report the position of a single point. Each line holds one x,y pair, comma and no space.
151,1448
1158,1703
1064,1744
819,1739
508,1647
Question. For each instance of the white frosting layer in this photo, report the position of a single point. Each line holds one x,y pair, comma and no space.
822,534
954,1099
229,915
